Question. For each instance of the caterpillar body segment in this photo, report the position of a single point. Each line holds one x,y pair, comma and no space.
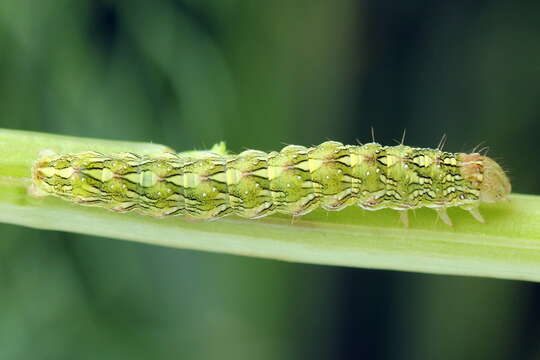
295,181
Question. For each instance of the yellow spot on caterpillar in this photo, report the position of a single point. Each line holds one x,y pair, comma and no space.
106,175
390,160
66,173
274,172
233,176
450,161
314,164
303,165
261,173
94,174
47,171
221,177
148,179
134,178
191,180
354,160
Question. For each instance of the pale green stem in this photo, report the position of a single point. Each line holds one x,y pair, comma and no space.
506,246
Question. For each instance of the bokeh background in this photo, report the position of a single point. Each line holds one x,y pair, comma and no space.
260,74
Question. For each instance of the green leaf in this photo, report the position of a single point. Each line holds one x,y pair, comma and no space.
506,246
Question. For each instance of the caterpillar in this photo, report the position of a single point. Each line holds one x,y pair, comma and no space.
295,181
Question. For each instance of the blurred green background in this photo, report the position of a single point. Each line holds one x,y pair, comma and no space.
260,74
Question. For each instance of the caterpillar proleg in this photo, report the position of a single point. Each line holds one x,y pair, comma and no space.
294,181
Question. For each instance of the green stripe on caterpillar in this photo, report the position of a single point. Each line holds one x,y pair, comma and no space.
294,181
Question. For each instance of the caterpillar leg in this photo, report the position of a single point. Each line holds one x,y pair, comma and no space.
474,212
404,217
443,215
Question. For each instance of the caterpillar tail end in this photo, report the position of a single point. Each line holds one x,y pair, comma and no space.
39,188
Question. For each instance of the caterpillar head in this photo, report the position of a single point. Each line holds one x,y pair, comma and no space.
487,175
496,185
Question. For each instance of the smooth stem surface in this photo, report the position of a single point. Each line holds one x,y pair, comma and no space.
507,246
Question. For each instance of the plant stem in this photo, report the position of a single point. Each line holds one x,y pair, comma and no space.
507,246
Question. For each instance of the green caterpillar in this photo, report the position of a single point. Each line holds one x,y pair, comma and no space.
294,181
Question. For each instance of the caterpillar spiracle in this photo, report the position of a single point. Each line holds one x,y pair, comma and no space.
294,181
